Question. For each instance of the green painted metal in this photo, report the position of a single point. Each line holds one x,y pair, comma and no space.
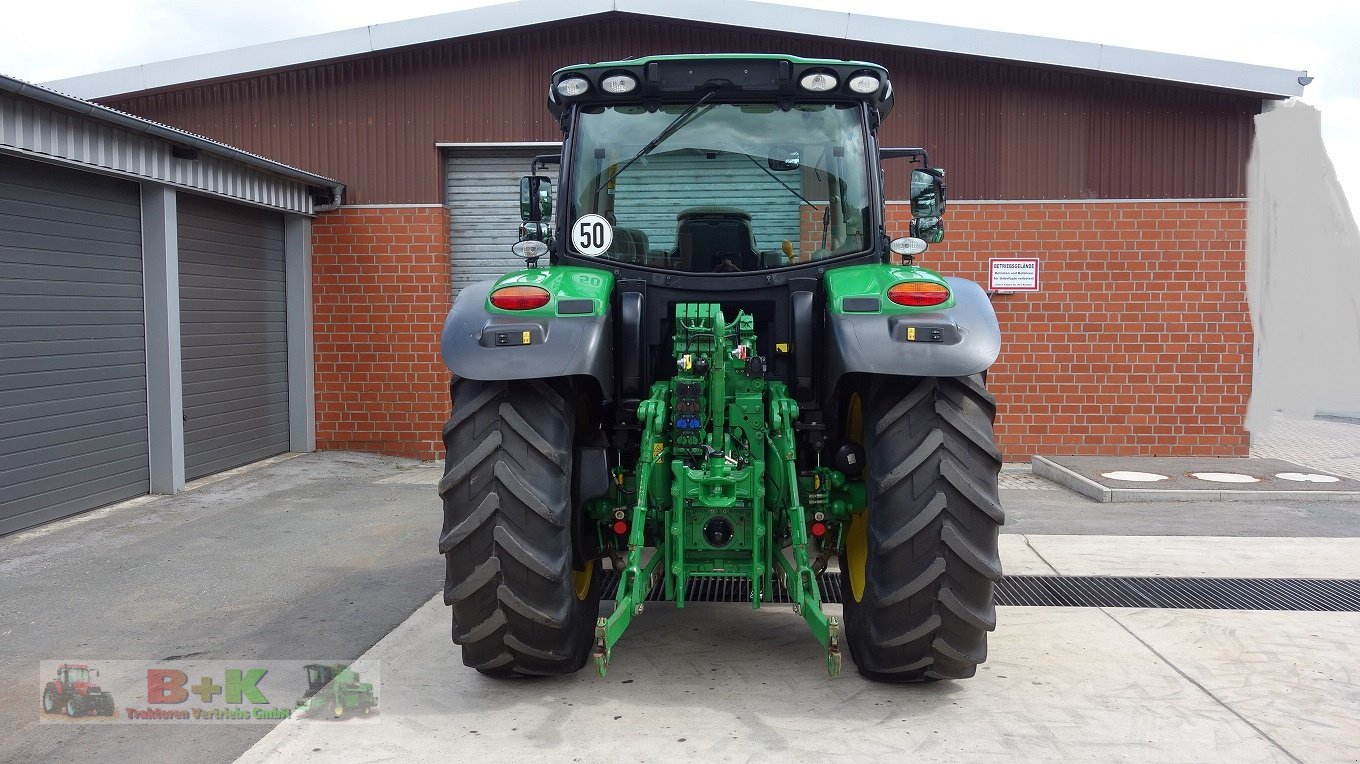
795,60
335,689
717,490
563,282
874,281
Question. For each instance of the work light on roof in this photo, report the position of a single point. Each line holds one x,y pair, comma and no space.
864,83
619,83
570,87
818,82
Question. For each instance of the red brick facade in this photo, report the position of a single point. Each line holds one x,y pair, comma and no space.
1139,343
380,291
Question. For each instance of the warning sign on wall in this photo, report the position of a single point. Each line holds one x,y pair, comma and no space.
1013,274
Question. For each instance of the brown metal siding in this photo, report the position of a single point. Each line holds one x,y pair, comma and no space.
1004,131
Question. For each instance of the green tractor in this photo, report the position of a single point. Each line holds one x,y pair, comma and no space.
336,690
718,365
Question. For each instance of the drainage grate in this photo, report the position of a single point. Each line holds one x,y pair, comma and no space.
1324,595
1321,595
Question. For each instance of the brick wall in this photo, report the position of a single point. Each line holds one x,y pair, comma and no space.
1140,341
380,291
1138,344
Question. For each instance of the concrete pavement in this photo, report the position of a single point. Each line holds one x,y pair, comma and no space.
720,682
331,556
295,558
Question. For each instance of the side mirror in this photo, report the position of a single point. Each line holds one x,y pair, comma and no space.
534,231
535,198
930,229
927,193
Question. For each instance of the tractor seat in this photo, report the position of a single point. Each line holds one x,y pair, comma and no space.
630,245
715,239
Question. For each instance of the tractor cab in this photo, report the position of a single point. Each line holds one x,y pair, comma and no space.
73,675
723,167
318,676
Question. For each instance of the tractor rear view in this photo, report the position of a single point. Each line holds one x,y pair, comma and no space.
718,366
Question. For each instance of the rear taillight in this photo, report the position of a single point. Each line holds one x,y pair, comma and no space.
520,297
918,294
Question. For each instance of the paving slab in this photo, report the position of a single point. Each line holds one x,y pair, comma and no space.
1188,478
1186,556
1295,678
721,682
1018,557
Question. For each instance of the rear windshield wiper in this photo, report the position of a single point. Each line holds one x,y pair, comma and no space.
687,116
826,211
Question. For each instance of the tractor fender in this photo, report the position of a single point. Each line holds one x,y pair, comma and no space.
969,339
479,344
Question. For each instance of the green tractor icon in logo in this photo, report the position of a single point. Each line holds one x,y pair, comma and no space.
71,692
335,689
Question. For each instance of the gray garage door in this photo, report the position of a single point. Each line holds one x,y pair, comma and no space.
73,431
483,199
234,335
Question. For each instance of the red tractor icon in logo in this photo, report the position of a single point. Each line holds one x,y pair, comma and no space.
73,694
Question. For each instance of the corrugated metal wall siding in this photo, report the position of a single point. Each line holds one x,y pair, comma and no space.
234,335
73,416
1004,131
33,128
652,200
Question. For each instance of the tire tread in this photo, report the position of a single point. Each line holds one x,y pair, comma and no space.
507,538
934,514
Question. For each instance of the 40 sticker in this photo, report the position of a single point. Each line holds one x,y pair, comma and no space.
591,235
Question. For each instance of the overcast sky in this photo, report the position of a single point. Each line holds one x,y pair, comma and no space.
45,42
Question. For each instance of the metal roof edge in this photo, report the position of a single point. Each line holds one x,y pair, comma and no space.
53,98
1170,67
324,46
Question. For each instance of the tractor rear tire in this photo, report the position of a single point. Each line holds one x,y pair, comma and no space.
51,699
928,558
520,608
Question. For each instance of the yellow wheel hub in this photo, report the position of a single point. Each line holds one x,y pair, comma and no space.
857,535
581,578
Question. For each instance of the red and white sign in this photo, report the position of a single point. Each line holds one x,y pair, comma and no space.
1019,274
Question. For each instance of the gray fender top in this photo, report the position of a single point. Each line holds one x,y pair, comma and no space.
477,344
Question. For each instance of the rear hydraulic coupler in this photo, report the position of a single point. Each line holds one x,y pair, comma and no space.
716,490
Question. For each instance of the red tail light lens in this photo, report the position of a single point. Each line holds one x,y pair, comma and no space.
918,294
520,297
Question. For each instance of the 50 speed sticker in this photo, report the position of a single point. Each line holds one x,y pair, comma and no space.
591,234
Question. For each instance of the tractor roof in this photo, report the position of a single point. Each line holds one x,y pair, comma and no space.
730,76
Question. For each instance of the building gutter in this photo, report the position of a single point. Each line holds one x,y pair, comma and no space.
327,193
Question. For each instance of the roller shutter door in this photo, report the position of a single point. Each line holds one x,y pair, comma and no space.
676,181
234,335
483,199
73,422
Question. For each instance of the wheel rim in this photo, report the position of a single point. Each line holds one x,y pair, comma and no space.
71,708
581,580
49,703
857,535
857,552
